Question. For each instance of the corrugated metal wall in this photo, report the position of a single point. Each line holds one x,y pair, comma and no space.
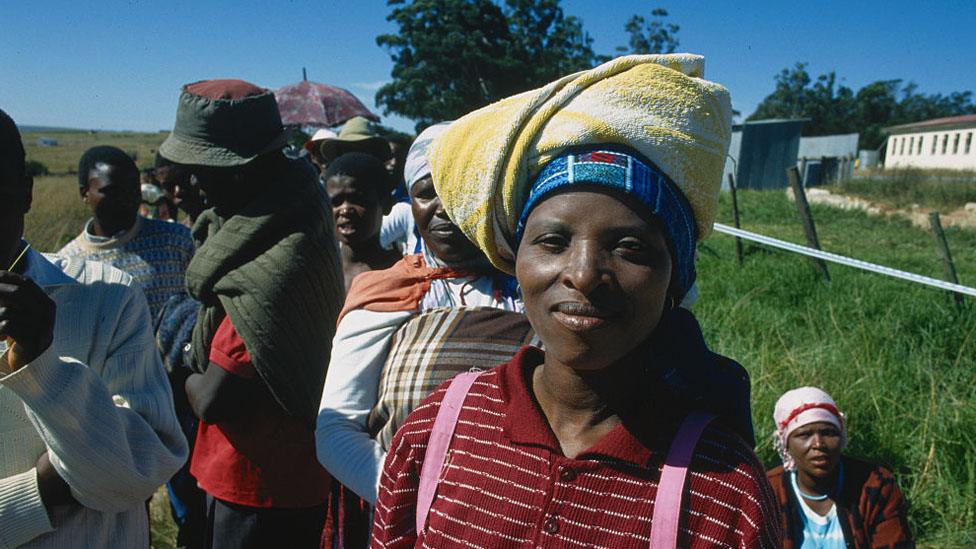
768,148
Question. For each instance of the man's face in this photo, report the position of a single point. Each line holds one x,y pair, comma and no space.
15,193
175,181
113,196
220,188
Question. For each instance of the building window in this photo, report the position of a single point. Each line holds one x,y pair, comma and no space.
969,141
901,150
955,144
945,142
935,143
918,151
911,144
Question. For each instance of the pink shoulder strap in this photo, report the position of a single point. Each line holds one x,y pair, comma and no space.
671,488
439,442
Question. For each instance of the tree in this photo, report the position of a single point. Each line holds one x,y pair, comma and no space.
453,56
836,109
654,36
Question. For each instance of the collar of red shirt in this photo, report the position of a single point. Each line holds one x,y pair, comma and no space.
525,424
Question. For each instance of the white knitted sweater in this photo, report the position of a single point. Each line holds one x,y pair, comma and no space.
98,401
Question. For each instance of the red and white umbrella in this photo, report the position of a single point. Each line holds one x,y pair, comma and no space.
314,104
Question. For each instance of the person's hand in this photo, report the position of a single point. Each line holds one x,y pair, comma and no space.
53,489
26,317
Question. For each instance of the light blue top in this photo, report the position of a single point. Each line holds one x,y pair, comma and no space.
819,532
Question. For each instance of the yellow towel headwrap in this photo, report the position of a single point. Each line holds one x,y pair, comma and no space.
659,105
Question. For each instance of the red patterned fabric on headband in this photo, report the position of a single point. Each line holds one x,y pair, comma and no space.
809,406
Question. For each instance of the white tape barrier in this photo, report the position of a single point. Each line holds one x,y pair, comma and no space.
856,263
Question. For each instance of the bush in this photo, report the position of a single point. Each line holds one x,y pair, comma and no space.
904,188
35,168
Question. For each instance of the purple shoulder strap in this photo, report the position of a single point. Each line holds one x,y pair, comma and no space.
671,488
440,440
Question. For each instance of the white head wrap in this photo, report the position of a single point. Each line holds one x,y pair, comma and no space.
417,167
800,407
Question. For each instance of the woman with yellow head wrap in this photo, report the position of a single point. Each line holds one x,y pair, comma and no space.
593,191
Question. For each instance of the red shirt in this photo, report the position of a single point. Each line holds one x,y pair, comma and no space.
508,484
262,458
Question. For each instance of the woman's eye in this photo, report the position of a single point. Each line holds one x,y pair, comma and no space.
551,242
630,245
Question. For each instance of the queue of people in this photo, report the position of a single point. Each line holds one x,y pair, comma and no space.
478,340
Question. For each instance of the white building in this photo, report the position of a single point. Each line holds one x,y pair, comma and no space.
941,143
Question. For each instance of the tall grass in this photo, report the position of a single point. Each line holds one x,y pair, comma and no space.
57,215
897,357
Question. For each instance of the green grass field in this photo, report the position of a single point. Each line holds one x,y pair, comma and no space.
63,158
899,358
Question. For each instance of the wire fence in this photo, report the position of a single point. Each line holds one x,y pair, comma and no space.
842,260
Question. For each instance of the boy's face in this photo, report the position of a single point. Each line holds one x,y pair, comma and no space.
112,195
356,207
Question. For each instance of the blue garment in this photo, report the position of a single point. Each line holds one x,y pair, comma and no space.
627,173
819,532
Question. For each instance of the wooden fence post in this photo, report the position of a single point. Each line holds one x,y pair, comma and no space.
942,247
803,209
735,218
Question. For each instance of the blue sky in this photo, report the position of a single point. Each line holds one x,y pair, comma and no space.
120,64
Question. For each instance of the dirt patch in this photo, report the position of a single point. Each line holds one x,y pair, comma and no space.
964,217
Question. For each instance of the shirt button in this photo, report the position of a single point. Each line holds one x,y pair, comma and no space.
551,526
566,474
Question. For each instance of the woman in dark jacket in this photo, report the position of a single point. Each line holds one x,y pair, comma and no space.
827,499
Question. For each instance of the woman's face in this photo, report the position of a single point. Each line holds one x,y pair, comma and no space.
816,448
443,237
594,276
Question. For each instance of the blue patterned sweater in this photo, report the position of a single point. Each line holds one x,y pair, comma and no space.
155,253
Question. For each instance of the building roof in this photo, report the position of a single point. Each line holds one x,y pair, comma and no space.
833,146
950,123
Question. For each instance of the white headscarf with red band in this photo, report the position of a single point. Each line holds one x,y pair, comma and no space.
800,407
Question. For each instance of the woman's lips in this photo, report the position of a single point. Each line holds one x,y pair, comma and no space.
580,317
820,461
443,228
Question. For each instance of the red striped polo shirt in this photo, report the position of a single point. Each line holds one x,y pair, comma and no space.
508,484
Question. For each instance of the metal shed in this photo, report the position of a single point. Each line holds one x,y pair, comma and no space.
766,149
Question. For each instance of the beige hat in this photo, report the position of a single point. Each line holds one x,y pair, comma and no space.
358,135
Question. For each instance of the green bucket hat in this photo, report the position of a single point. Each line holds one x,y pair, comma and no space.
358,135
224,123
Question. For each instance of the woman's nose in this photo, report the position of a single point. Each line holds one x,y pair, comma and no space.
584,270
439,208
817,442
